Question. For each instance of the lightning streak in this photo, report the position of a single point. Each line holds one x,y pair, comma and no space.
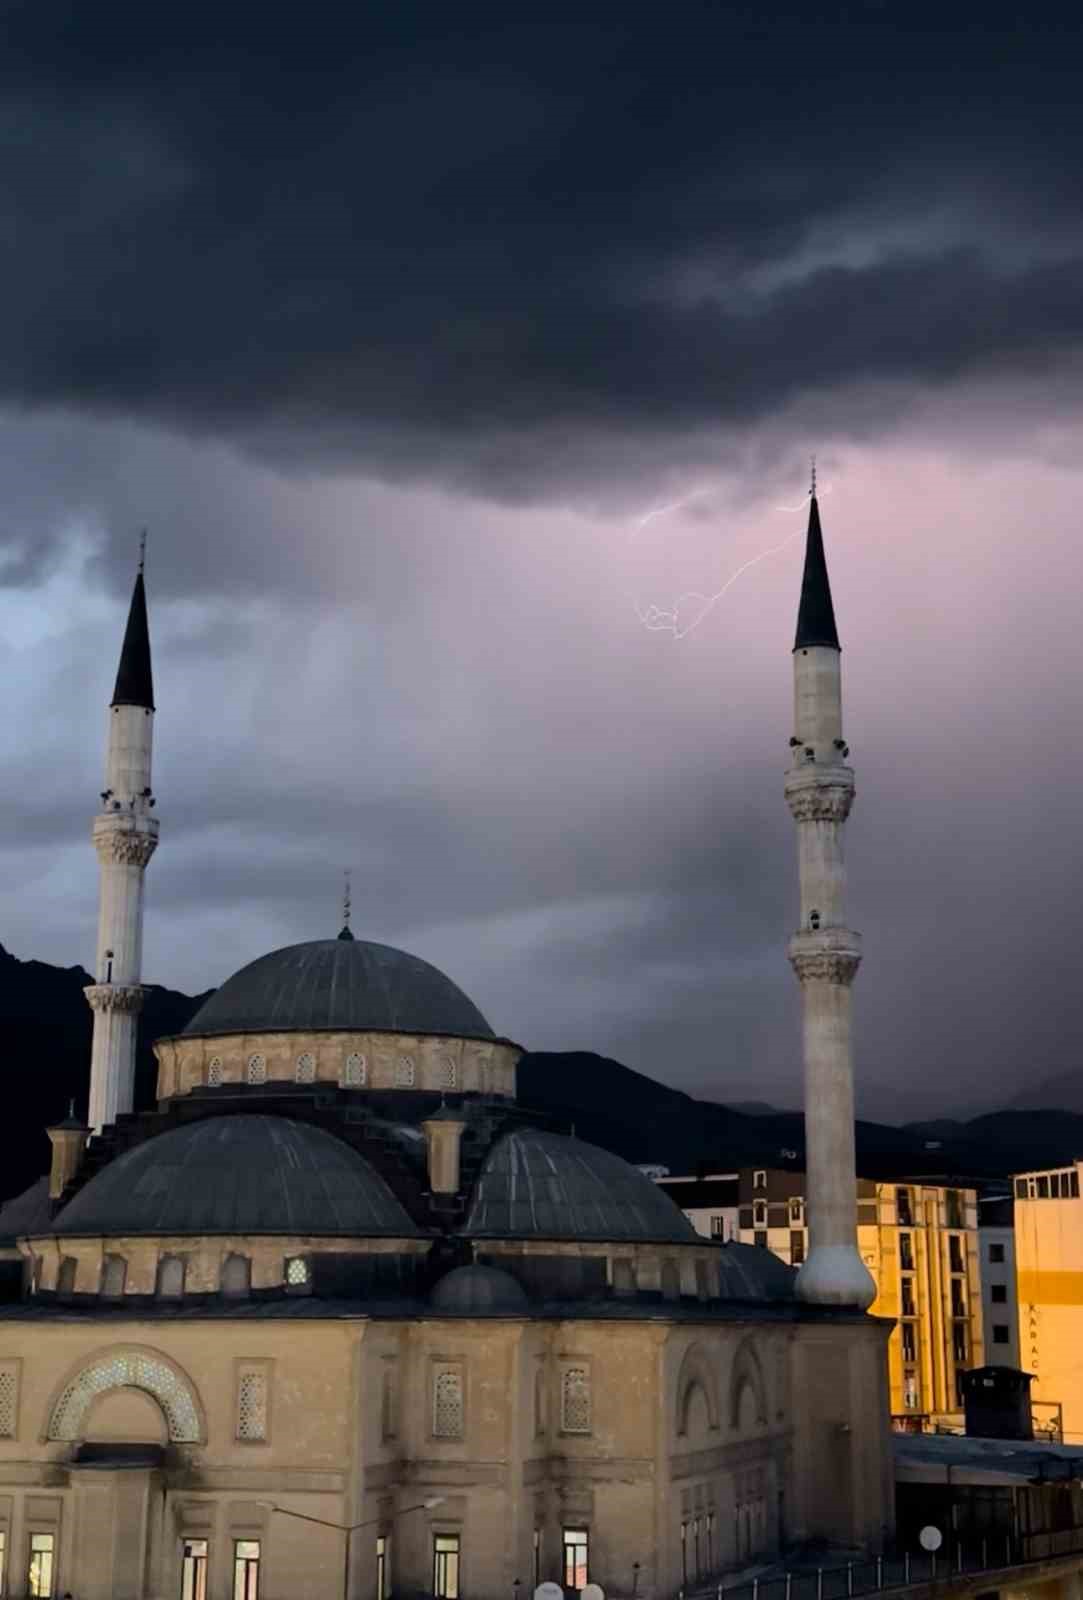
657,619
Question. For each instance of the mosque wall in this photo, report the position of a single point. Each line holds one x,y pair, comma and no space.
678,1445
347,1059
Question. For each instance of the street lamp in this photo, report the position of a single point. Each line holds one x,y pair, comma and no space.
349,1529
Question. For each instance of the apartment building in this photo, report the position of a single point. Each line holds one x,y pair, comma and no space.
1049,1284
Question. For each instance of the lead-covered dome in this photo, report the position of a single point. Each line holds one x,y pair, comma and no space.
340,983
237,1174
547,1186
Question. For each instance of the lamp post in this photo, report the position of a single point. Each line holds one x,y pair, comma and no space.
349,1529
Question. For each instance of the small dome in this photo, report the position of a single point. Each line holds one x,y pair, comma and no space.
546,1186
237,1174
478,1290
340,983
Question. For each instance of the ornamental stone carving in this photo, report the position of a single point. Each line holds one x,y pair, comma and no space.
827,966
820,805
114,997
125,846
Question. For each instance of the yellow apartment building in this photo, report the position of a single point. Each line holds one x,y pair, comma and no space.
1049,1281
920,1242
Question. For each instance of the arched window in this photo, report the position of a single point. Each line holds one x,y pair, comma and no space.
306,1068
236,1275
404,1072
575,1400
354,1075
449,1073
539,1402
298,1273
131,1369
447,1403
257,1069
214,1071
171,1277
65,1278
114,1274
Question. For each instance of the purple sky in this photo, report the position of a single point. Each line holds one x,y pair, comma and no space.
397,380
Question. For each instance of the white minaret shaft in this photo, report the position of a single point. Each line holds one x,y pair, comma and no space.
125,836
824,953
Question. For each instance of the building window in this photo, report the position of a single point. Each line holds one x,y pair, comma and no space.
759,1179
911,1397
404,1072
449,1073
959,1341
3,1559
355,1071
445,1566
9,1404
958,1300
909,1309
214,1074
955,1253
909,1341
1043,1186
257,1071
902,1208
998,1294
759,1215
447,1403
906,1252
718,1227
797,1213
996,1254
537,1557
171,1278
1001,1334
252,1404
953,1209
298,1273
575,1558
114,1272
760,1238
39,1577
236,1275
1020,1188
383,1566
575,1400
306,1068
246,1569
1073,1183
388,1418
194,1569
65,1278
797,1247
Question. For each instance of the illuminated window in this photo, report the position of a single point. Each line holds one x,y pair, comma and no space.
355,1071
246,1569
404,1072
306,1068
796,1213
257,1073
759,1180
252,1403
194,1569
383,1566
39,1577
298,1272
447,1403
911,1394
909,1308
445,1566
575,1400
575,1543
214,1072
3,1558
718,1227
909,1341
9,1403
759,1215
906,1252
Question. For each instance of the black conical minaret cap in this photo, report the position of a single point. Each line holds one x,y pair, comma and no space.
135,683
816,615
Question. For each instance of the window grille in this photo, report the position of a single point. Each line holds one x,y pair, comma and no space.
575,1400
298,1272
252,1405
194,1569
257,1069
246,1569
39,1578
447,1404
449,1073
214,1073
306,1068
9,1400
132,1370
355,1071
404,1072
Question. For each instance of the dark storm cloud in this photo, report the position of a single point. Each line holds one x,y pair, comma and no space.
481,243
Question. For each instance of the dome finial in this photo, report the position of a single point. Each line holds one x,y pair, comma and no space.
346,931
812,488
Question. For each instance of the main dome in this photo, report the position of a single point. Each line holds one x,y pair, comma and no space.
237,1174
340,983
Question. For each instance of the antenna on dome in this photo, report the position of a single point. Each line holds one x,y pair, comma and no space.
143,550
812,487
346,906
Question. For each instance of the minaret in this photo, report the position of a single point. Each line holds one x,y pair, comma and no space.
824,953
125,835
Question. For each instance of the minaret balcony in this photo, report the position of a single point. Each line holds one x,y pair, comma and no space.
830,954
129,837
820,794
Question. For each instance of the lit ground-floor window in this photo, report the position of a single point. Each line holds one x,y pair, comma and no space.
575,1558
246,1569
194,1569
445,1566
39,1578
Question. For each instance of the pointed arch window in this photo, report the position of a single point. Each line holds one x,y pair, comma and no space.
306,1068
214,1072
257,1069
449,1073
405,1072
236,1276
354,1074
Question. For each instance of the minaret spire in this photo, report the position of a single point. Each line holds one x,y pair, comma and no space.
347,931
824,953
125,837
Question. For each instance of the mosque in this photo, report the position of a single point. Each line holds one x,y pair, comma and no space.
340,1317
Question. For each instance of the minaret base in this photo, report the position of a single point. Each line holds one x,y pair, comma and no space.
835,1275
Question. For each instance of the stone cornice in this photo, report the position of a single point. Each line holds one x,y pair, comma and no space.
820,794
830,955
114,997
125,839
